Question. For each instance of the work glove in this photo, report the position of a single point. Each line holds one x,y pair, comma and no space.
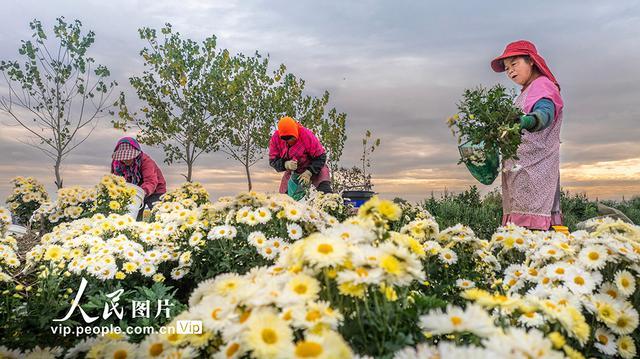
527,122
305,178
291,165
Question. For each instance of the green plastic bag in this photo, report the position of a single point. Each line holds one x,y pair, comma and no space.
295,189
482,162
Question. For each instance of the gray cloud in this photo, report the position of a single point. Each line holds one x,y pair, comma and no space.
397,68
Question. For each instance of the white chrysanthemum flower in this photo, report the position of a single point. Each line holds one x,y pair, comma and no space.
626,321
473,319
222,232
423,350
547,252
120,349
293,213
432,247
448,256
564,297
593,257
268,336
605,342
269,251
465,284
257,239
228,284
179,272
531,319
322,251
625,282
295,231
147,270
316,315
515,274
351,233
232,349
579,281
557,270
251,220
195,239
242,216
611,290
626,347
154,346
302,286
39,353
216,312
263,215
520,343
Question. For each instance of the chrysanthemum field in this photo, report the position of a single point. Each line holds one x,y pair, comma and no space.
263,276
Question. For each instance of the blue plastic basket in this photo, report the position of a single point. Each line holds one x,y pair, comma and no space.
357,198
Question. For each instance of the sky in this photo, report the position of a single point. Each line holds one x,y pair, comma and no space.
397,68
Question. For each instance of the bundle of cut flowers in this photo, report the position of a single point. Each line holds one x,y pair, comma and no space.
487,120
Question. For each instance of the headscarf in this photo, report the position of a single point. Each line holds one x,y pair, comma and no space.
127,148
287,126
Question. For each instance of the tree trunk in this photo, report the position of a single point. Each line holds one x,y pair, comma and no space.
246,168
189,171
189,161
56,168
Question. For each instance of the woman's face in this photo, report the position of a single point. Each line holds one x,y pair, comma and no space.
128,162
290,140
519,69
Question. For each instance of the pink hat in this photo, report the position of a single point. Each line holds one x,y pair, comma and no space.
523,48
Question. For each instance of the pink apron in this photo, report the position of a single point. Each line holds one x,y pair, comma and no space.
531,184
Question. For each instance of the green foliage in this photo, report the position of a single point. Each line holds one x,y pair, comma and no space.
576,208
488,116
250,107
159,296
631,208
180,90
253,101
380,327
328,126
218,257
484,214
27,316
58,93
197,99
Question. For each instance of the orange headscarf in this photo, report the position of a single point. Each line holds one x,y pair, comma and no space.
287,126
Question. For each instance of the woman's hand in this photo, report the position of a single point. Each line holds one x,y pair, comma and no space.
291,165
305,178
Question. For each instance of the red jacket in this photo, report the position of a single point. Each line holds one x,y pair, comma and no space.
152,179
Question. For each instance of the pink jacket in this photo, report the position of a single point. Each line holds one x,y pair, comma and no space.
307,147
152,178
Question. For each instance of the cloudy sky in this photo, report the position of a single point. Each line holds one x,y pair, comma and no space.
395,67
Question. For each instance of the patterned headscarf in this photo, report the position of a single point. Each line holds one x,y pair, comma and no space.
127,147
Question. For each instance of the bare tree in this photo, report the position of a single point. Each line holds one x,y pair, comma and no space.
58,94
